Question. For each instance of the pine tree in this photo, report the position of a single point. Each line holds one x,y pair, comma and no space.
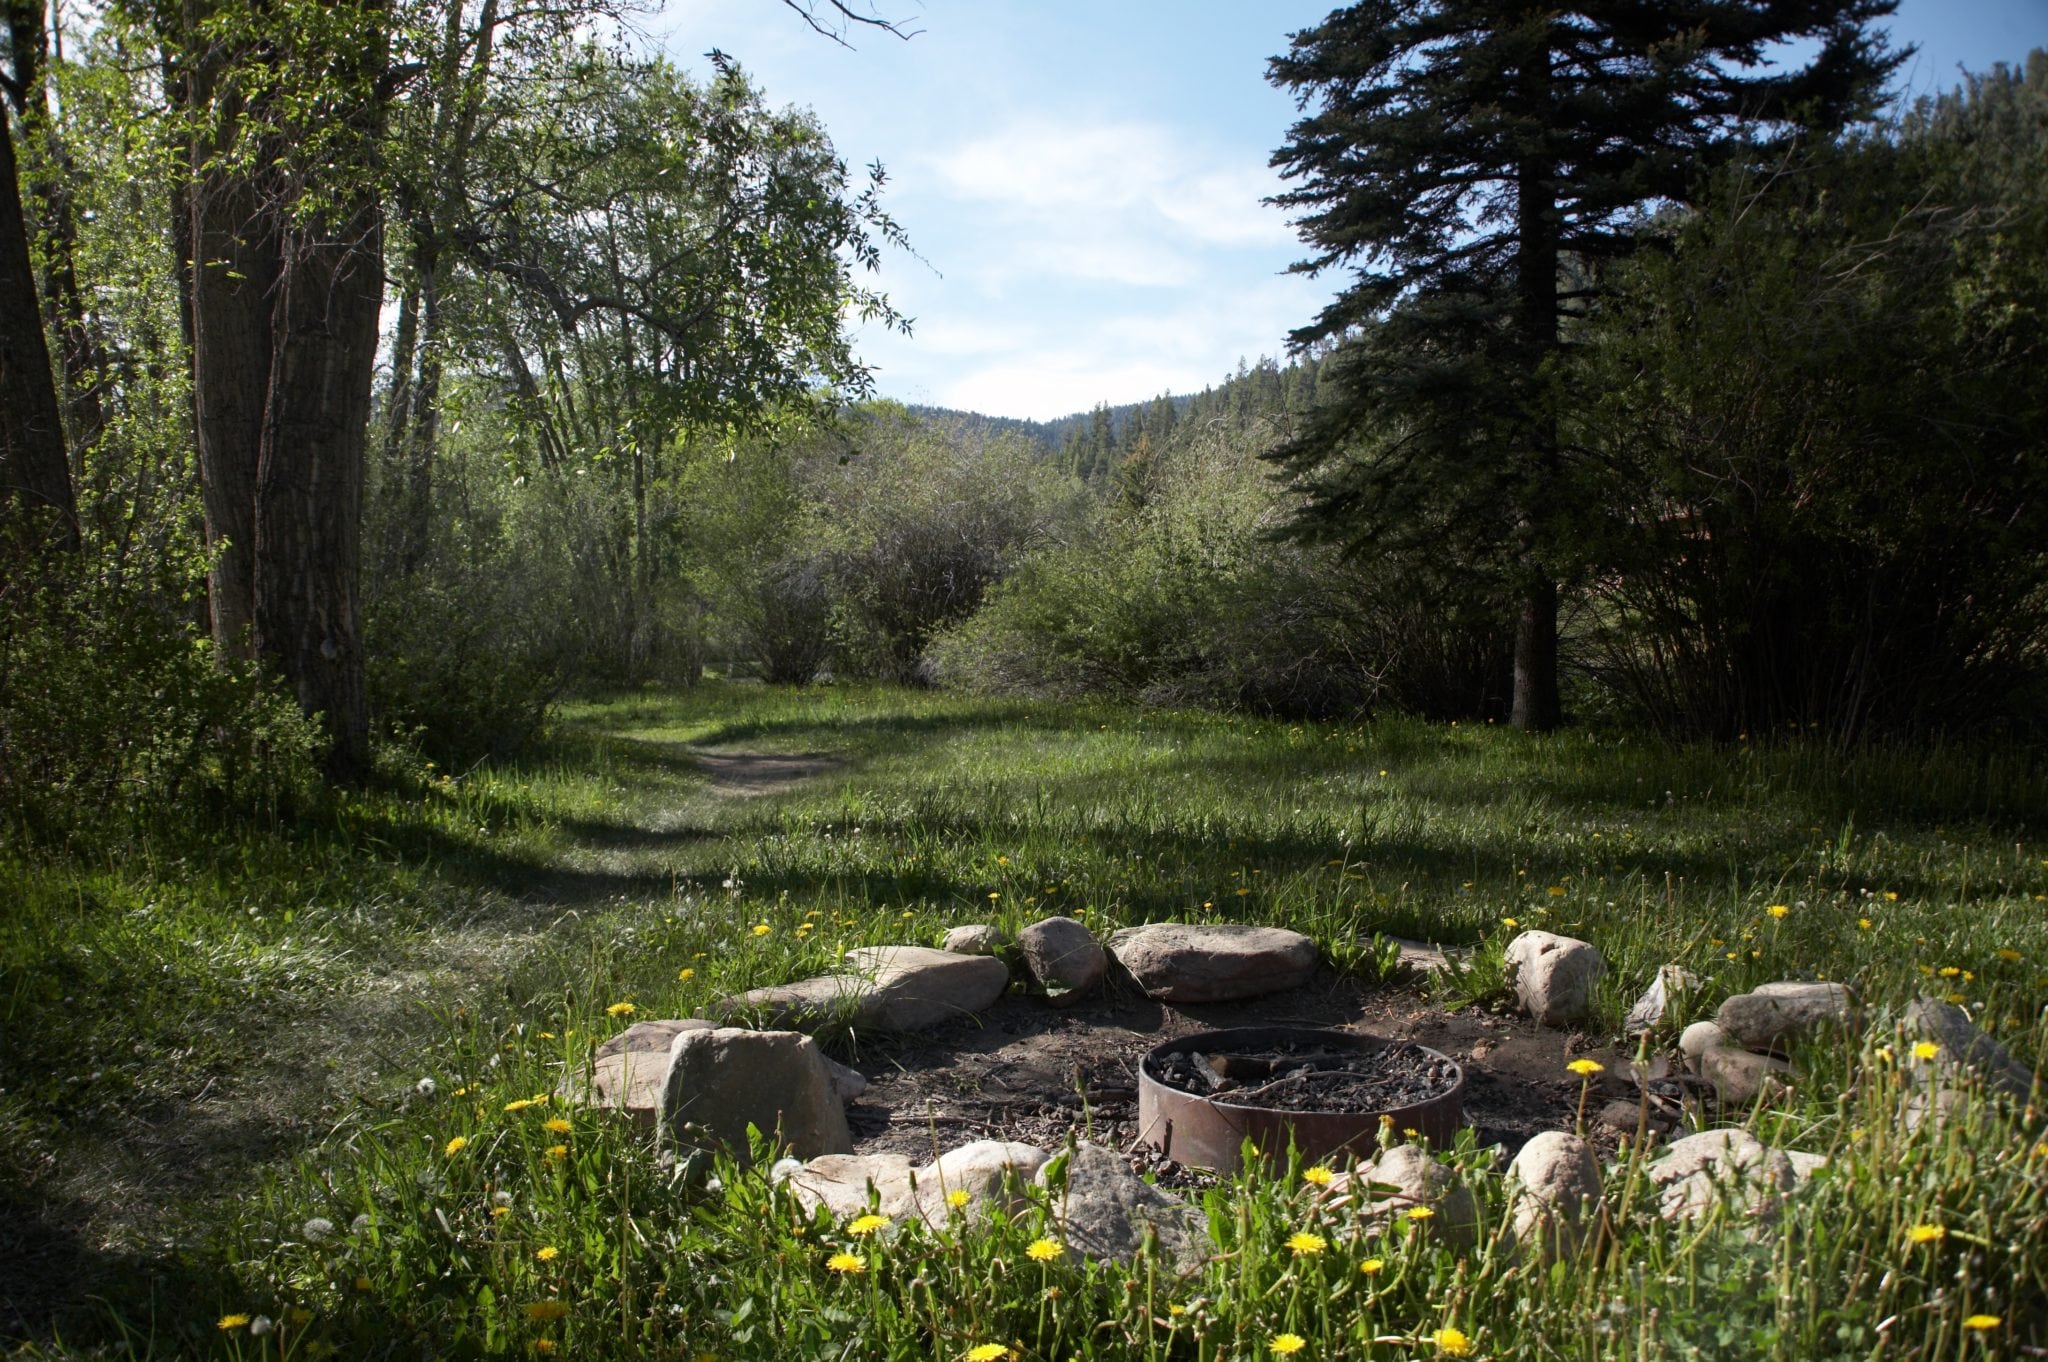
1472,161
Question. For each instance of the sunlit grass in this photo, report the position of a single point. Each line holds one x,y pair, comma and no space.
603,871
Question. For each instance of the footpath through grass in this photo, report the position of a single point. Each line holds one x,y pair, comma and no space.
287,1093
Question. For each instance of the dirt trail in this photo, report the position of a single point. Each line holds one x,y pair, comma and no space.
744,775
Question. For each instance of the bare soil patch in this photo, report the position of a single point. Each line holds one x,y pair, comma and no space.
1025,1070
749,775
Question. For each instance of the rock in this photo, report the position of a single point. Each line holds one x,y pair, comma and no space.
848,1185
1804,1165
1424,958
650,1037
1554,976
1415,1180
628,1070
1699,1038
991,1172
1555,1182
887,988
847,1084
1101,1209
1695,1173
1775,1016
1963,1044
1063,956
1185,963
721,1081
1628,1117
977,939
1740,1076
1672,981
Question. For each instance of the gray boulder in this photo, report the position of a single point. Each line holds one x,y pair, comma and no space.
1101,1209
1699,1172
1697,1039
976,939
1741,1076
629,1070
1187,963
885,988
1063,956
1672,981
1964,1045
722,1080
1776,1016
1554,976
1403,1179
1554,1191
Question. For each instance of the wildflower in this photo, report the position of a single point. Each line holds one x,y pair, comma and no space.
545,1035
1242,892
1318,1176
1509,922
1777,910
540,1312
543,1345
986,1352
1982,1322
519,1105
316,1229
1306,1245
1585,1068
555,1125
1372,1267
1863,923
1289,1343
557,1151
1176,1309
1891,896
685,975
455,1146
847,1264
1925,1234
1452,1342
1884,1052
1555,891
620,1010
2010,956
547,1254
762,929
957,1199
498,1212
867,1224
1926,1049
425,1087
1044,1250
1420,1213
232,1321
1949,971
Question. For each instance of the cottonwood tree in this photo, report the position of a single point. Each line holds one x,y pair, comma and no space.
1472,162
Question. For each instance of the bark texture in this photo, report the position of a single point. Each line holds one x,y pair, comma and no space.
36,502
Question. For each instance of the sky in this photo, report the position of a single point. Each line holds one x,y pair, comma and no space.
1081,179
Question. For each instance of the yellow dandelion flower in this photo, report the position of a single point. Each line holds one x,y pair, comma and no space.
1884,1052
556,1125
867,1224
987,1352
543,1345
685,974
1318,1176
1925,1234
1863,923
1891,896
1777,910
763,929
1044,1250
620,1010
1948,971
232,1321
1372,1267
455,1146
548,1253
1420,1213
499,1212
1555,891
1452,1342
540,1312
519,1105
957,1199
847,1264
1926,1049
1982,1322
2010,956
1286,1344
557,1151
1306,1245
1510,922
1585,1068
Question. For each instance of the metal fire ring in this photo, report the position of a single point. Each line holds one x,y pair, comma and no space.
1209,1132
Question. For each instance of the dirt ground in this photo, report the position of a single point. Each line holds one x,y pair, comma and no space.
1027,1070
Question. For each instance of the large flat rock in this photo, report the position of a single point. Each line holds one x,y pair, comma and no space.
1178,962
885,988
723,1080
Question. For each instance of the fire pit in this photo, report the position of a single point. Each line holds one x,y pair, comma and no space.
1202,1096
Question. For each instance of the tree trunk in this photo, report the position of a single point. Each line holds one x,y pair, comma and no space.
309,483
36,503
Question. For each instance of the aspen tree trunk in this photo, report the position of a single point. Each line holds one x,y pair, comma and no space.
35,479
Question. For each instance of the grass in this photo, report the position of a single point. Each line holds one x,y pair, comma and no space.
280,1072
